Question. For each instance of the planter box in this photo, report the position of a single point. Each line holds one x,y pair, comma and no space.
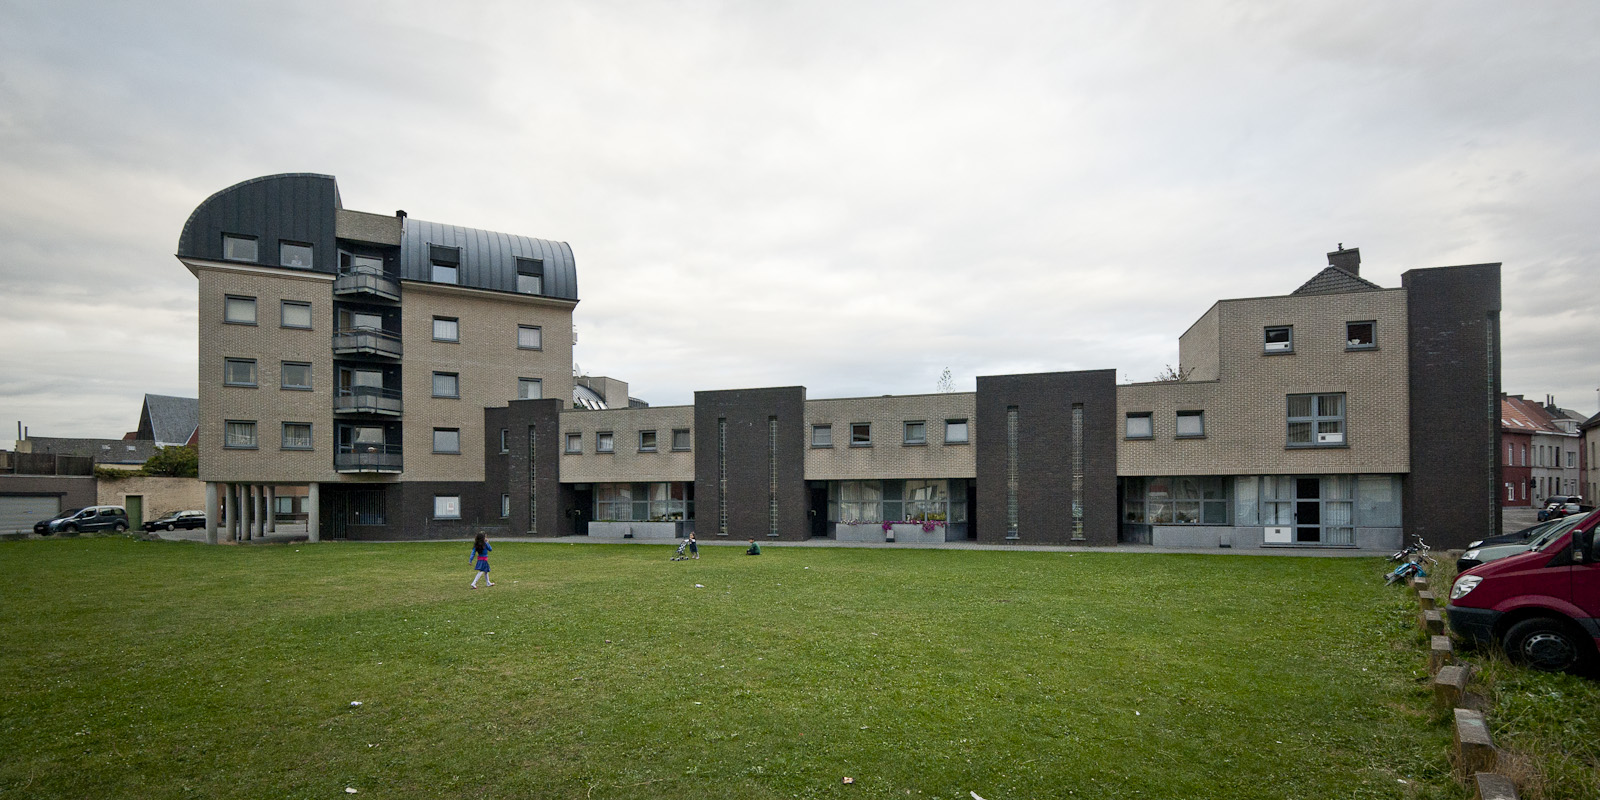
907,533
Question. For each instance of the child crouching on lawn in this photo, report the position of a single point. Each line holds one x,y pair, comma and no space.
480,555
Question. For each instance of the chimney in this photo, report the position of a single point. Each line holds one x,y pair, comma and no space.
401,215
1346,260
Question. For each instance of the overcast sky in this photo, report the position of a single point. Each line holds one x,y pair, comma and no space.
847,196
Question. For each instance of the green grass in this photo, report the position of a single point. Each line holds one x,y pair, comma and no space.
134,669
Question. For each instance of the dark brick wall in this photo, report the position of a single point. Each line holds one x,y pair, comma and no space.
1044,495
1454,329
509,473
747,412
75,491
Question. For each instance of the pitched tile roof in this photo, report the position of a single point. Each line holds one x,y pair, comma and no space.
169,420
1525,416
1333,280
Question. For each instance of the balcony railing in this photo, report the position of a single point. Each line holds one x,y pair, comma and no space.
366,341
366,280
367,400
368,458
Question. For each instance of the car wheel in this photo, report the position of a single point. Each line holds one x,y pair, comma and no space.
120,527
1545,644
69,528
170,526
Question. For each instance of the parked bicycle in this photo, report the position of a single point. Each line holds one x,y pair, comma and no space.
1414,560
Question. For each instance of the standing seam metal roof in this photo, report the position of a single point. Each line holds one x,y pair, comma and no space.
488,258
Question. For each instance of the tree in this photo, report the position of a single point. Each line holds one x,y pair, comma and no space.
173,462
1174,375
946,383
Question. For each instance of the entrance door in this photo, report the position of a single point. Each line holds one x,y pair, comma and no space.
134,504
819,510
1308,509
582,510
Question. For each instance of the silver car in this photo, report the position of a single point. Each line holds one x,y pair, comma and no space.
1495,552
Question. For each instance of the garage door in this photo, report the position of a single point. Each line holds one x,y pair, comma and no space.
19,513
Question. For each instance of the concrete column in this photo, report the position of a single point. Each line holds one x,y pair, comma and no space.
211,512
272,513
314,514
257,494
233,511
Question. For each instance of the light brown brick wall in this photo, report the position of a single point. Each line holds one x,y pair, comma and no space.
487,360
889,457
627,464
161,495
1198,356
1246,407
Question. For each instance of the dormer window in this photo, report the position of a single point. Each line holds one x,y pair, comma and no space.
1278,339
294,254
445,262
530,276
239,248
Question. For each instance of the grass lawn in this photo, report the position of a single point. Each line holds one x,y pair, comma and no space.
136,669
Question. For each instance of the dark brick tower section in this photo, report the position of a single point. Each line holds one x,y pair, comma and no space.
751,459
1454,331
509,472
1044,456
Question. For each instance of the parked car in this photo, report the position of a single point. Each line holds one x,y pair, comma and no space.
89,518
1527,534
1560,505
1493,552
1542,606
187,520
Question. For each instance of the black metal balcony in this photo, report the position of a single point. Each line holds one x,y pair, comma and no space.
367,400
366,341
368,458
366,281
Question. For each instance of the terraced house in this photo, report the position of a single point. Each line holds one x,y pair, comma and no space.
414,380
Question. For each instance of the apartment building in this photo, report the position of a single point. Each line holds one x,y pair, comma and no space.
414,381
349,356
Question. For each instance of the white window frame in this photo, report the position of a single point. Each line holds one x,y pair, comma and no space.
1272,348
447,506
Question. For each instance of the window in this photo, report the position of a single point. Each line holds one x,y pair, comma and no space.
239,372
1279,339
529,337
821,435
293,314
1360,335
238,248
296,375
680,439
1316,420
446,384
1181,500
647,441
574,442
297,436
530,389
1508,454
447,440
505,506
446,329
445,262
955,431
1572,459
505,440
860,434
643,502
447,506
603,442
239,310
1191,424
294,254
238,434
1140,425
530,276
916,433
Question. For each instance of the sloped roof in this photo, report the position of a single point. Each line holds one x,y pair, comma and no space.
1525,416
1592,422
169,420
1333,280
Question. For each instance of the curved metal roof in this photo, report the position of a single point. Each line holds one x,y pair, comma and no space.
294,206
488,258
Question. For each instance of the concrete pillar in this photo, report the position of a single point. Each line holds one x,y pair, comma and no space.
233,511
272,511
314,514
211,512
257,495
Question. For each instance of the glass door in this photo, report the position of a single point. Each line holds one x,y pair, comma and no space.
1308,510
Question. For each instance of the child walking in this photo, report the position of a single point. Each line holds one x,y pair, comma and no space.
480,557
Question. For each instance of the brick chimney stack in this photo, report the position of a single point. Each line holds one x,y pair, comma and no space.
1347,260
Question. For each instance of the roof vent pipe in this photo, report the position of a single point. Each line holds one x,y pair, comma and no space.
401,214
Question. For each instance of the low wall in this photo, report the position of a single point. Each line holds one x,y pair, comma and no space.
161,495
907,533
664,531
1252,538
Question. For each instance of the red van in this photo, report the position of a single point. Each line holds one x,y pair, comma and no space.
1542,606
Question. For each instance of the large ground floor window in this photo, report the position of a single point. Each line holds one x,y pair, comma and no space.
1298,509
1181,500
643,502
919,500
